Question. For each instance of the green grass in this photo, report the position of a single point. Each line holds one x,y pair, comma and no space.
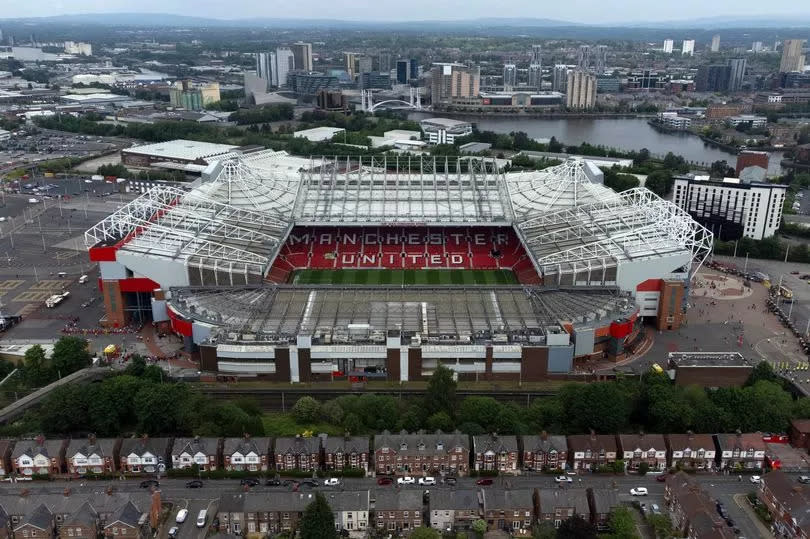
281,424
397,277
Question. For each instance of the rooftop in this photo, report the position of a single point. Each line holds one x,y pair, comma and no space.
182,149
446,123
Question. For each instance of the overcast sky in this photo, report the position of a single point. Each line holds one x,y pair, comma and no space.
585,11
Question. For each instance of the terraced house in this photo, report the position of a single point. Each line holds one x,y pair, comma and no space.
493,452
398,512
144,455
509,510
297,453
421,453
251,454
38,456
692,451
204,452
345,452
91,455
544,452
741,450
557,505
264,513
643,448
589,451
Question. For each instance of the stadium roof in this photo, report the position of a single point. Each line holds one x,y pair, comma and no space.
181,149
280,312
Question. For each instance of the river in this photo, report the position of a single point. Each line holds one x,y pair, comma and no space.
620,133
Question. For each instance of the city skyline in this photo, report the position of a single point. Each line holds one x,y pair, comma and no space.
589,12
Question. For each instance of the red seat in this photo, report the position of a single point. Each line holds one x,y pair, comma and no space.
483,262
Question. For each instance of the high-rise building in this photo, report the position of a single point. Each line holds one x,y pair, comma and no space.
285,62
668,46
302,53
384,61
792,57
559,80
349,60
363,65
756,47
376,80
584,57
600,59
712,78
688,47
716,43
453,80
509,76
402,71
76,47
414,68
536,67
264,67
581,90
537,58
736,73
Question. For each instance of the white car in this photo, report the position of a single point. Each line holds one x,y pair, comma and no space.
755,479
638,491
407,480
331,482
181,516
563,479
173,531
427,481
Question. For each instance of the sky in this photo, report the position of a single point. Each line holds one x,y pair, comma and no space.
581,11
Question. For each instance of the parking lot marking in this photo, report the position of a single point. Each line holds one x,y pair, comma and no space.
10,284
27,309
48,285
31,295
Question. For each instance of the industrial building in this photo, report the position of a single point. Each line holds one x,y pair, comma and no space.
174,151
444,130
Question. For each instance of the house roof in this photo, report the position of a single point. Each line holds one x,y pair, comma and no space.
127,514
801,425
297,445
545,443
192,446
84,515
348,501
696,504
66,505
405,500
643,441
552,498
456,500
243,446
103,447
679,442
604,500
594,442
145,444
741,441
495,443
496,498
345,444
795,498
408,444
31,448
41,517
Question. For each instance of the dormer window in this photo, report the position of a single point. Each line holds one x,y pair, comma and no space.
440,446
421,446
403,446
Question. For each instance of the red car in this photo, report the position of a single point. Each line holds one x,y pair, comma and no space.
484,482
661,478
385,481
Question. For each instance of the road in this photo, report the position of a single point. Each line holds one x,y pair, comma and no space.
719,487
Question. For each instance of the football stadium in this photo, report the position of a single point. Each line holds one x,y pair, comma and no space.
297,270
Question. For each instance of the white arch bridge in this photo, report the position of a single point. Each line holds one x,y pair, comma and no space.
367,103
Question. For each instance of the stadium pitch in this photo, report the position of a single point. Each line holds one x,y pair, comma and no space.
385,277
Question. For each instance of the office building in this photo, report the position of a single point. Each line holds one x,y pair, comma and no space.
600,59
331,100
736,73
668,46
363,65
584,57
444,130
535,76
688,47
349,60
310,83
536,58
376,80
509,76
792,56
730,207
414,68
284,63
78,48
581,90
716,43
402,71
384,61
449,81
606,84
712,78
672,120
264,67
559,79
756,47
302,55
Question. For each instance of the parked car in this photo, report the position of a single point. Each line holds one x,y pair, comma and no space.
249,481
638,491
173,531
655,509
406,480
643,507
148,483
385,481
289,482
755,479
427,481
274,482
331,482
194,483
563,479
181,516
661,478
484,482
450,481
308,483
804,479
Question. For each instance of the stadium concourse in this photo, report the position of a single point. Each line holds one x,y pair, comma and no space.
303,269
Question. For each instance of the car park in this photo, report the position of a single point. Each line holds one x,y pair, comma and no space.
563,479
406,480
181,516
638,491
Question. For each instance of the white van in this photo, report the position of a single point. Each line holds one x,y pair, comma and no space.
201,516
83,279
181,516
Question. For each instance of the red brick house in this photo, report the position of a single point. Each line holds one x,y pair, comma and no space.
251,454
493,452
345,452
788,502
544,452
692,510
297,453
421,453
692,451
744,451
38,456
204,452
638,448
800,433
92,455
589,451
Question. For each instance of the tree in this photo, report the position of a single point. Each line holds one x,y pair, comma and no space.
622,525
440,421
720,169
440,395
576,527
659,182
69,355
554,145
544,530
136,365
483,411
35,367
318,521
332,412
642,157
306,410
662,525
479,526
643,468
352,423
762,371
424,533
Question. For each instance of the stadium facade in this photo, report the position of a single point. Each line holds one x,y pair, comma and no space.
216,264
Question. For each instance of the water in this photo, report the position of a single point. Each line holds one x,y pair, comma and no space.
623,134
